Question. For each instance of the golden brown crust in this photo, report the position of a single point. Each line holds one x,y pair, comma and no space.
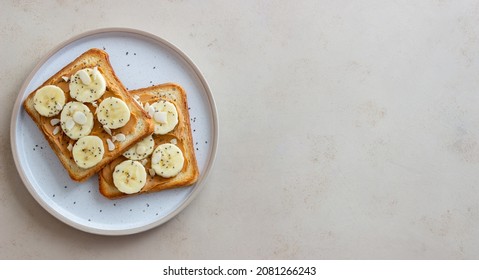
143,125
182,133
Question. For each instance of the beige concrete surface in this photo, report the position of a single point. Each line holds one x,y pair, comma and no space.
348,129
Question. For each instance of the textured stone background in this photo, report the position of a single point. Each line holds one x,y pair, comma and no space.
347,130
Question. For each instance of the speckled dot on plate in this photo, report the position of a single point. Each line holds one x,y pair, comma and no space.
80,204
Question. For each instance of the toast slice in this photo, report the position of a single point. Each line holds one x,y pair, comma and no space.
181,135
138,126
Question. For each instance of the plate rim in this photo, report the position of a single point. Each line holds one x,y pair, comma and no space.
199,185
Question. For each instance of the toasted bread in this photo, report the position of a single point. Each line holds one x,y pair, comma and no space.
139,125
182,133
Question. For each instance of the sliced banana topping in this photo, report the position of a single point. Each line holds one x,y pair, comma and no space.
76,120
88,151
140,150
87,85
129,176
164,115
167,160
113,113
49,100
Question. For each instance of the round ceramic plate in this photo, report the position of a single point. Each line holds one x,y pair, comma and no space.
140,60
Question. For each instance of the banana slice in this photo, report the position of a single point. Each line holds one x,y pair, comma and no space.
76,120
164,115
167,160
87,85
129,176
141,149
113,113
88,151
49,100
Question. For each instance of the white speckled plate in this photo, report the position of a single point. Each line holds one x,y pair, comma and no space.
140,60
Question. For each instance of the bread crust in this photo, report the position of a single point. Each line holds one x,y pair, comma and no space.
143,126
182,133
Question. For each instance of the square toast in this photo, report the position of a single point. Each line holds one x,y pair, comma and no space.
135,128
181,136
